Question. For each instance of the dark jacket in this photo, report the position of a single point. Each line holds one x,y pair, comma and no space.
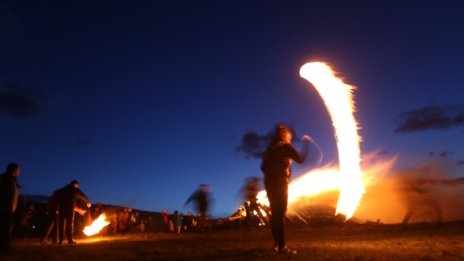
277,161
68,196
9,193
201,199
52,203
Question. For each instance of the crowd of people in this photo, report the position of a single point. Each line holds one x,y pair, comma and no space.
57,219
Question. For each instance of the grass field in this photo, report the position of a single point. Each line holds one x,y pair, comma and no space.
349,242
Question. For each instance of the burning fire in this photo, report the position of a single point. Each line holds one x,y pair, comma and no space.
347,178
338,99
97,225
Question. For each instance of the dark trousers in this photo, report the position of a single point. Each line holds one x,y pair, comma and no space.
66,225
51,225
6,221
277,193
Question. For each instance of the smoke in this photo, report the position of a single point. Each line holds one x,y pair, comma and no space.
425,193
431,118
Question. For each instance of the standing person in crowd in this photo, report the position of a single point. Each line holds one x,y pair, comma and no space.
165,221
189,222
68,196
177,220
276,166
9,193
52,212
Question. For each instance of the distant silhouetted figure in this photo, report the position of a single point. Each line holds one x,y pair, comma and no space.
201,198
9,192
189,222
250,192
52,218
177,220
67,198
276,166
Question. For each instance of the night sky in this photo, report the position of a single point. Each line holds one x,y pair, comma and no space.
141,101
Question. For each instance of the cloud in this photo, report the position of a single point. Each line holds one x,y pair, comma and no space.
431,118
444,153
18,102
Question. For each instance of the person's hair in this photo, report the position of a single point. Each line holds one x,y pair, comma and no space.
12,167
279,132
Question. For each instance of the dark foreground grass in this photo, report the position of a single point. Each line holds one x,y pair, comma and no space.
350,242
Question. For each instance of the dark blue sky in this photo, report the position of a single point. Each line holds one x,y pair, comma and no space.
142,101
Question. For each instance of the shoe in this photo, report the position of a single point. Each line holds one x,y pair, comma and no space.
72,242
286,250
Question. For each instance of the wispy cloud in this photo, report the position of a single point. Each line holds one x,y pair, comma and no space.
442,154
431,118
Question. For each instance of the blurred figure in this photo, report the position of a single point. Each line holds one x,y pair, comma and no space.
25,221
51,218
177,221
19,216
201,198
250,192
9,192
123,219
142,226
67,199
165,221
276,166
188,222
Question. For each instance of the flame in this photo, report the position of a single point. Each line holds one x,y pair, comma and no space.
338,99
97,225
310,184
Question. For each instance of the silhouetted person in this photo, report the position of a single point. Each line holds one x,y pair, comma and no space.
188,222
67,198
9,192
276,166
51,218
250,192
201,198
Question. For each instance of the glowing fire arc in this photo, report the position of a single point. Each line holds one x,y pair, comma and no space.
338,99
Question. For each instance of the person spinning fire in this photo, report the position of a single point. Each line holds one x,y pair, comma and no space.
276,166
67,199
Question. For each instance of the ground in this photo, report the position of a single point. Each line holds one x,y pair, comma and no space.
423,242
